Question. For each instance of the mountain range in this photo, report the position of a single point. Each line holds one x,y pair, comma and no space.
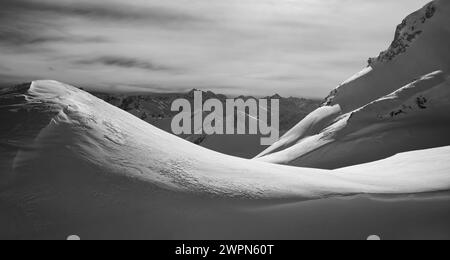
155,109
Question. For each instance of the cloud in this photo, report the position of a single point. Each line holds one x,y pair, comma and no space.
4,68
96,10
31,39
124,62
292,47
23,28
35,22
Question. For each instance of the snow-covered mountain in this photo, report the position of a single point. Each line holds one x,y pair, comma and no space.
68,158
398,103
71,163
420,47
53,125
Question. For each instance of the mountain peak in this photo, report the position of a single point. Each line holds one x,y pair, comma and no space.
407,33
420,47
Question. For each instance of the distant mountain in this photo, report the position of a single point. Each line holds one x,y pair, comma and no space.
155,109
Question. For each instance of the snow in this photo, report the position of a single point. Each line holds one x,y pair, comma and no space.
86,130
412,118
309,126
72,164
396,104
436,161
426,53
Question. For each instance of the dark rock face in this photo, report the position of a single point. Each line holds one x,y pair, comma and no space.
406,33
431,10
329,99
422,102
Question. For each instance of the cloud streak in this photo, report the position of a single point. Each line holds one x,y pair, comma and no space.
17,39
124,62
27,22
98,10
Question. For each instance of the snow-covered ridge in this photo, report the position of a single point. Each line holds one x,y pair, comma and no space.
397,104
420,47
411,118
80,144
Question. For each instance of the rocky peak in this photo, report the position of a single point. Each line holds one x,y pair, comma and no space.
406,33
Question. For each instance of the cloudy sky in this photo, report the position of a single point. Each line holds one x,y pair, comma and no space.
259,47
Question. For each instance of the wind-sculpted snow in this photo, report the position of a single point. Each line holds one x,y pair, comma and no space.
372,116
73,164
82,138
80,128
412,118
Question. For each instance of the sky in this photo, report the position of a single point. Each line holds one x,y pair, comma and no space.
302,48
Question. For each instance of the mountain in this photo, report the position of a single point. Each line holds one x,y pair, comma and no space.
156,109
74,163
420,47
398,103
53,120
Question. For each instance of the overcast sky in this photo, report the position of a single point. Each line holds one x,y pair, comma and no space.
290,47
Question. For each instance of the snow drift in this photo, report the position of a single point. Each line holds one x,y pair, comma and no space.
397,104
412,118
72,162
52,126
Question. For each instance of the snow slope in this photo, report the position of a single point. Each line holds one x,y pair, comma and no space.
73,163
412,118
372,115
419,48
55,125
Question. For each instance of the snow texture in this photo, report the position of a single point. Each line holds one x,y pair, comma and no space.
79,138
